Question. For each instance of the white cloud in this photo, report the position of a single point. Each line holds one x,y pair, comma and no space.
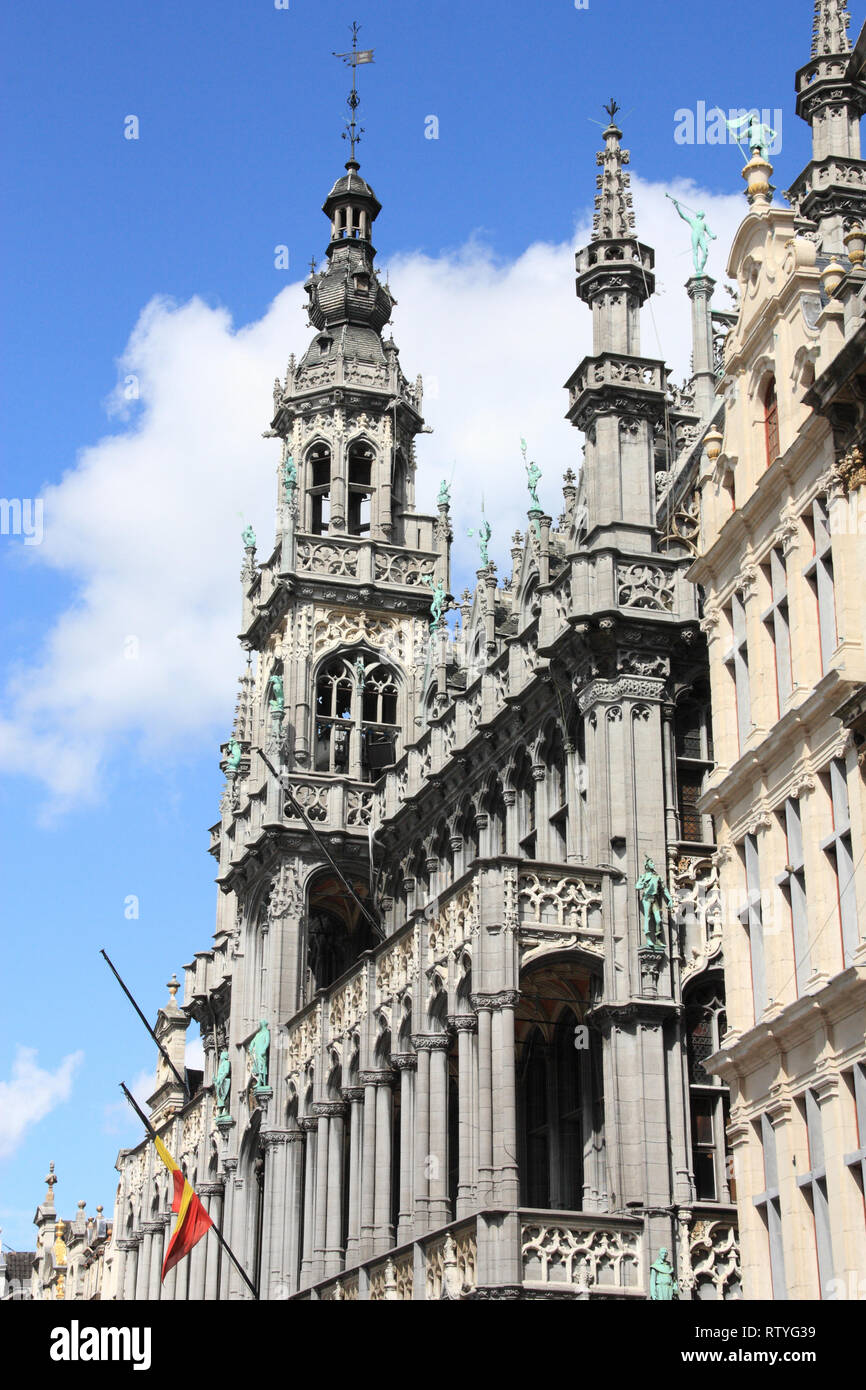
147,523
119,1116
31,1094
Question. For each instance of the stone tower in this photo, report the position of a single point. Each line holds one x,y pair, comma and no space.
830,192
335,620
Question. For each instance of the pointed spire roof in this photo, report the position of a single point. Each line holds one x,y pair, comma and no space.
614,216
830,28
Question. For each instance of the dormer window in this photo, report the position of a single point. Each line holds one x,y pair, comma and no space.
362,282
324,344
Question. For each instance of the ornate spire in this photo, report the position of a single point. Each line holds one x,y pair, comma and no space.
830,28
614,218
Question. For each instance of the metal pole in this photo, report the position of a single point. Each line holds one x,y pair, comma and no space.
162,1050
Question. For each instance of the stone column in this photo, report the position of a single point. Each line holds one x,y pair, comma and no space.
699,289
154,1260
229,1273
422,1135
507,1182
335,1113
126,1246
320,1209
142,1274
169,1288
383,1232
368,1164
481,1002
438,1206
293,1209
274,1213
308,1125
405,1063
354,1096
212,1192
197,1260
464,1025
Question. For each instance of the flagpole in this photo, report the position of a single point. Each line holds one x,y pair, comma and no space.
163,1052
213,1226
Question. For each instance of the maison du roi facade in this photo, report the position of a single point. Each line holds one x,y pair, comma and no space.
469,888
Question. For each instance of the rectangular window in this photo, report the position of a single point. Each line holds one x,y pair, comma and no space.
792,882
737,662
769,1205
750,916
819,574
814,1187
839,850
777,623
856,1160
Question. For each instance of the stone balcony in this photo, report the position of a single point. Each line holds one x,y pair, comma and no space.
556,1254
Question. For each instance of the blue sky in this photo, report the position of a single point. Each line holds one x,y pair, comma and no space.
112,774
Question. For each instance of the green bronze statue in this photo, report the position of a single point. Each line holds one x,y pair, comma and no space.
290,477
484,534
437,604
278,702
444,498
222,1084
663,1284
234,755
653,894
701,234
258,1050
756,134
248,536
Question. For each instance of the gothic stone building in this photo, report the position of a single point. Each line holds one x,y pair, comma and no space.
485,1071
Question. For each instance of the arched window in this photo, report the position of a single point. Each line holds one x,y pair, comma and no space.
694,760
356,716
709,1097
561,1112
771,420
337,930
525,786
494,806
361,457
319,472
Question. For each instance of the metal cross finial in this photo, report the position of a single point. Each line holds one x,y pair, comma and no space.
312,265
611,108
353,131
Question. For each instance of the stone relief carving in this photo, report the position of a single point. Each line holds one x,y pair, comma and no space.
645,586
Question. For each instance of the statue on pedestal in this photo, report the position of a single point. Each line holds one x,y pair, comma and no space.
257,1051
663,1284
701,234
653,894
222,1084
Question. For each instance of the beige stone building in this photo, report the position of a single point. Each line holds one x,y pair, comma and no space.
782,566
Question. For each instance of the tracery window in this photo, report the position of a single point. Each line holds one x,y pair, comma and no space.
709,1097
356,717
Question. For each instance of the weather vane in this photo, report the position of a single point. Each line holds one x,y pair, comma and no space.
353,131
611,108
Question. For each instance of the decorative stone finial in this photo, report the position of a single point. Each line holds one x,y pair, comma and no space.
173,986
50,1180
614,218
830,28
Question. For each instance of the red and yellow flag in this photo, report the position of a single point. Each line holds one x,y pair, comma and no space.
192,1219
